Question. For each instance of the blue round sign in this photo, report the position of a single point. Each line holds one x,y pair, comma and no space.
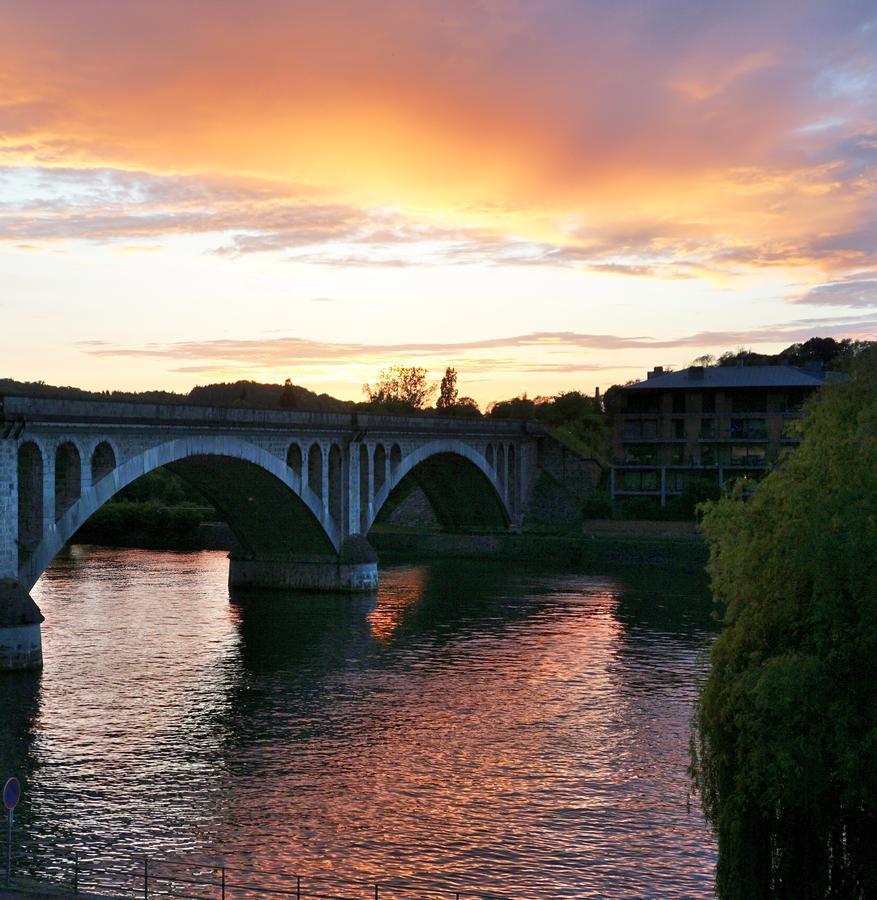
11,793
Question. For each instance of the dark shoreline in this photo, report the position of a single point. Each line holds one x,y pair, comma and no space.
588,550
671,547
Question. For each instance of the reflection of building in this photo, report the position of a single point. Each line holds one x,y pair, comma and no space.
717,423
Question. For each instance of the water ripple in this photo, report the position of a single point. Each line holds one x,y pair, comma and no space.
472,725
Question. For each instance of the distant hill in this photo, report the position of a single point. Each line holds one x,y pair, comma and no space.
246,394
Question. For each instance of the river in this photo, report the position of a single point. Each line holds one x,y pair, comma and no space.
475,725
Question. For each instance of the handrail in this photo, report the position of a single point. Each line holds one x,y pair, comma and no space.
199,879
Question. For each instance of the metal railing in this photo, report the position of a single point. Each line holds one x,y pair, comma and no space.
206,879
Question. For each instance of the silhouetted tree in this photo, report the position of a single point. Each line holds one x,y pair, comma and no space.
401,387
287,398
465,407
448,390
516,408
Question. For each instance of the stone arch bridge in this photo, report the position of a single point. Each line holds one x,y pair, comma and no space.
300,490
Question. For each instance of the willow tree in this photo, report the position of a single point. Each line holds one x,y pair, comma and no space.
784,747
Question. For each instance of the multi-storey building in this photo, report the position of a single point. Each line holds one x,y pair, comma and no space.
718,423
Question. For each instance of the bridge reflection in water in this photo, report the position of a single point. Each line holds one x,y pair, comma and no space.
472,723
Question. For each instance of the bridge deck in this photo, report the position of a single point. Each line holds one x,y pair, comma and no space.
15,410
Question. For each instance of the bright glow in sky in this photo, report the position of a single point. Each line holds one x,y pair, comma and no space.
547,195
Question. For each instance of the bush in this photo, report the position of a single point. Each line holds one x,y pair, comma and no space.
126,524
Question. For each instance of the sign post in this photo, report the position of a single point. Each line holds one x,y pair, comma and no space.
11,796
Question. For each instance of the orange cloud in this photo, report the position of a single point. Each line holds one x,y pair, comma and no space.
633,140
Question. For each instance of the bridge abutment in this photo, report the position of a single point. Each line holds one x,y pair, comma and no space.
354,570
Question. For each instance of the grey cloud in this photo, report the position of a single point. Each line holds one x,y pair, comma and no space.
843,293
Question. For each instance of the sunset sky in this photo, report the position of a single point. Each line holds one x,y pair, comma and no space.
547,195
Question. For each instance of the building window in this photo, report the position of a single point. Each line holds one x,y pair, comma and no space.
640,430
709,402
749,429
708,456
641,454
747,456
677,482
708,429
749,402
642,402
638,481
678,402
676,455
679,429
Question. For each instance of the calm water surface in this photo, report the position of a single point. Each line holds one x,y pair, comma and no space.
473,724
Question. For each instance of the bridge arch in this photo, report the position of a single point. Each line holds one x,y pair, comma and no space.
315,471
335,483
457,481
103,461
294,458
263,500
30,497
380,468
68,476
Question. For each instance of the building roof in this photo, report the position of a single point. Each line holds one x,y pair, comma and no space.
723,377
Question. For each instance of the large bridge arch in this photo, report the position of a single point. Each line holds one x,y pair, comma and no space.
458,481
261,496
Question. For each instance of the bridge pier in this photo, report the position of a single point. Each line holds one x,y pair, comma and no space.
21,644
355,569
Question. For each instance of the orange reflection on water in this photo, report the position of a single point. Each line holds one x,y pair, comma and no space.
384,620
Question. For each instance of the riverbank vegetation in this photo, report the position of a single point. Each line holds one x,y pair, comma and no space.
784,752
159,511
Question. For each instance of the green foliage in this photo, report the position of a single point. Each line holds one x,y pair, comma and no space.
574,418
400,388
784,749
826,353
683,507
126,524
259,395
598,505
516,408
464,407
161,487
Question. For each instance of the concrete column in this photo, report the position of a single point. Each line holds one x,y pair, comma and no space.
512,482
48,490
350,456
20,617
324,457
371,483
305,466
663,485
84,471
387,467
